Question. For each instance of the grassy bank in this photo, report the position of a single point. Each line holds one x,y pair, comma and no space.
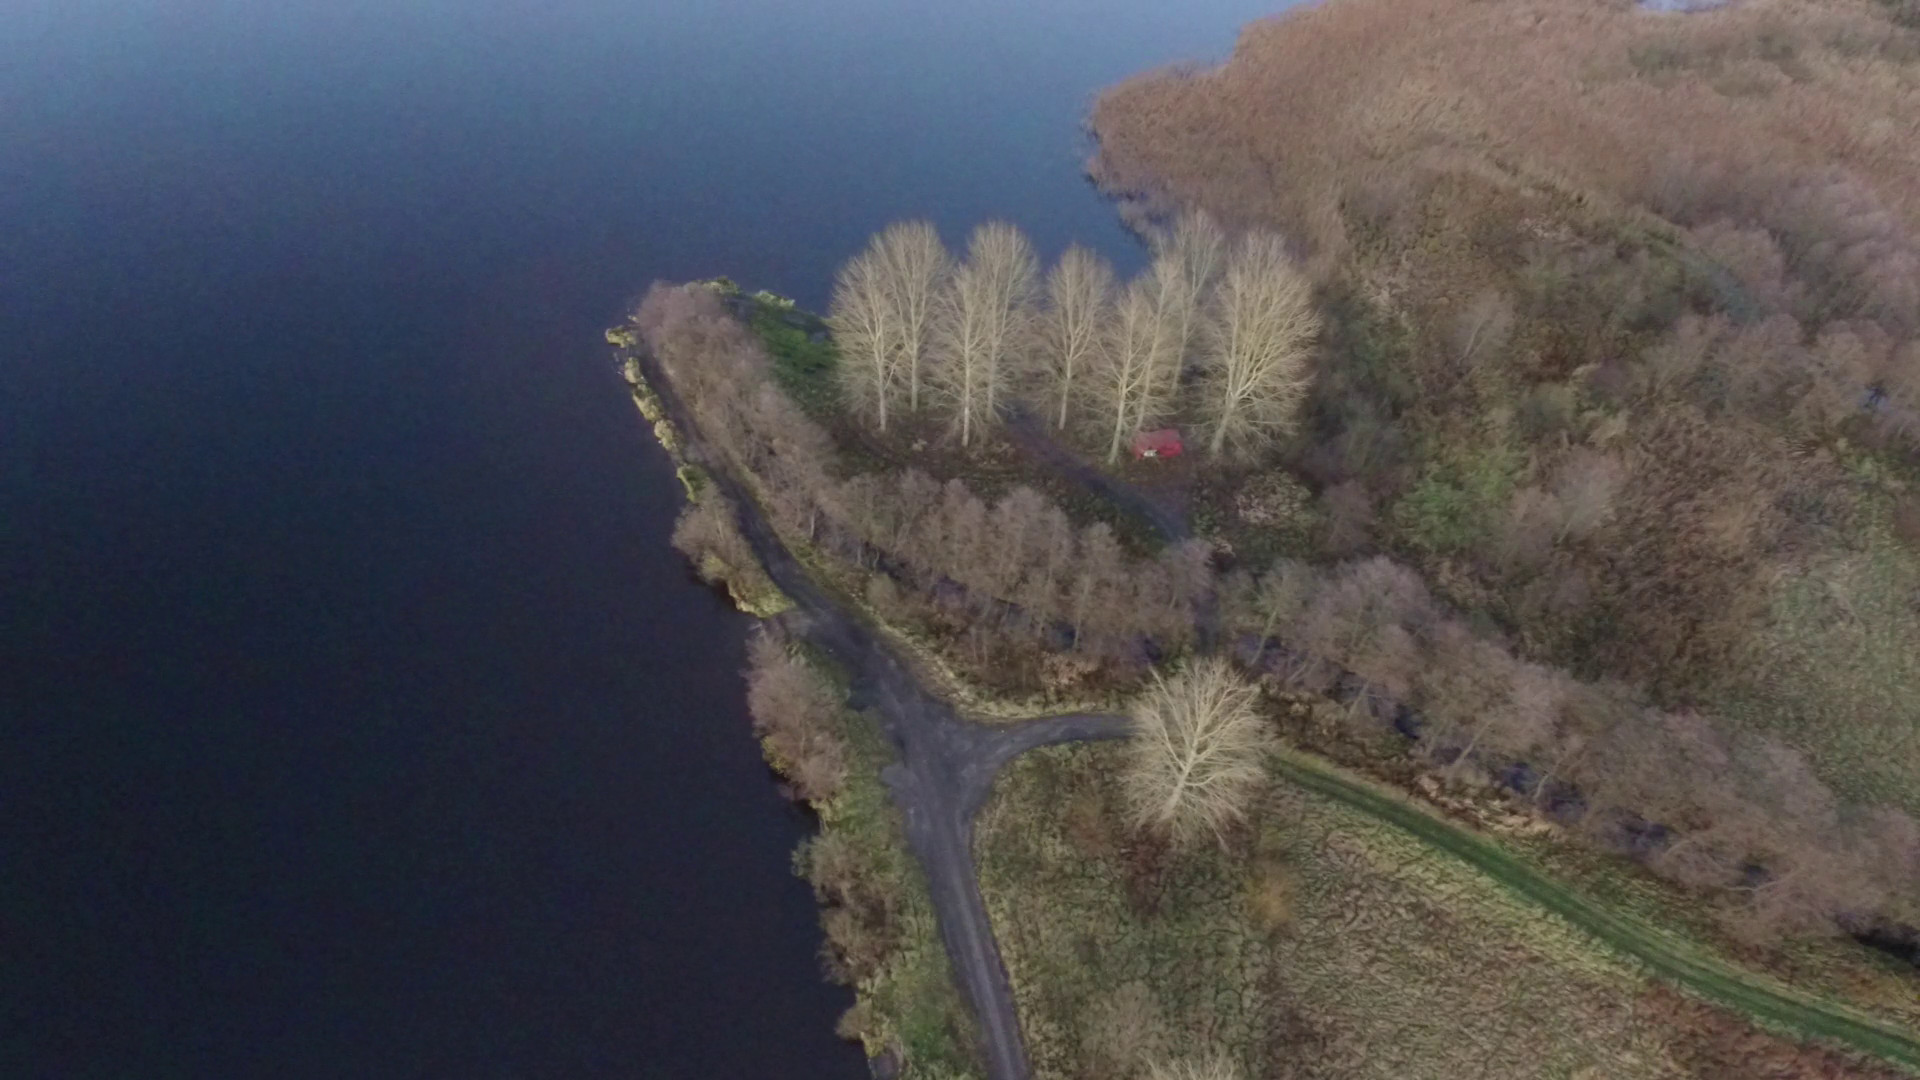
881,937
881,934
1200,942
1347,934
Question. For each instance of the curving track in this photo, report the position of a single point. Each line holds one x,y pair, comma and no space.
946,766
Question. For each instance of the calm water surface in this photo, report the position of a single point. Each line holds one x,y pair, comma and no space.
355,718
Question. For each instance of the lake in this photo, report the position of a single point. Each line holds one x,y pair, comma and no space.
357,719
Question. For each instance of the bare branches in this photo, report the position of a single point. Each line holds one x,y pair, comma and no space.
1186,266
1079,294
918,266
1120,389
864,325
981,322
1194,763
881,314
794,711
1208,1068
1255,363
1483,328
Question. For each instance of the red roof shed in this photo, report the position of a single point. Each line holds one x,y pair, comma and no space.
1157,444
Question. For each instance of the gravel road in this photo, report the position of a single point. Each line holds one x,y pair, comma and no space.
944,767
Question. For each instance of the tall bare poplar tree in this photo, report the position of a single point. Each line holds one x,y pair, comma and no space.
917,263
1187,264
866,329
1079,292
882,316
981,322
1258,342
1119,386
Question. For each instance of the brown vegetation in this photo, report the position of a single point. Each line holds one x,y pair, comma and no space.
1621,359
1744,821
1393,961
1711,1044
1006,585
1022,600
796,714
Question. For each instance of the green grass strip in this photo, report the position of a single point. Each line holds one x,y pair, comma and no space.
1673,958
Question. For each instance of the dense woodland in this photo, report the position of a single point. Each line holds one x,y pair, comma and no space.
1021,598
1553,377
1621,373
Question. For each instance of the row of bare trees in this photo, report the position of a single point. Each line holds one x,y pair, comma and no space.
1012,573
1745,819
1222,330
1008,571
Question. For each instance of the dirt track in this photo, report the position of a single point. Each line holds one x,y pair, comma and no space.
944,766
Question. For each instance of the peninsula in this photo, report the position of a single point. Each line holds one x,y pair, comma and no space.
1444,617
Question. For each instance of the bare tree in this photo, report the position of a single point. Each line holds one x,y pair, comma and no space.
1847,360
980,324
918,265
1283,594
1482,328
707,533
794,710
1214,1067
882,316
1194,763
1186,266
1679,356
1127,1027
1584,493
1120,387
1079,292
1262,328
1368,619
1901,383
1350,517
866,328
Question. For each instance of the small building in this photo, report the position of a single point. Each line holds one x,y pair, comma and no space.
1158,444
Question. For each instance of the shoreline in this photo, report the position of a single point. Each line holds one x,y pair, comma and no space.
930,783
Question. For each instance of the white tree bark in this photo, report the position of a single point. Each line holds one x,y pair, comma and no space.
1119,384
1079,294
1195,760
981,325
918,266
1259,339
864,326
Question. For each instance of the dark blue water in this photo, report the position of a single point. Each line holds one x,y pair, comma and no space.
357,720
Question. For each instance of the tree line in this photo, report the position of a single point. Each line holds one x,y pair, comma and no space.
1743,818
1216,330
1014,590
993,577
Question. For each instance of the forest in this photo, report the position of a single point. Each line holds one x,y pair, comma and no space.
1550,383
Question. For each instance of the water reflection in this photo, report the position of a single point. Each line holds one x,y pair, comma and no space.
358,719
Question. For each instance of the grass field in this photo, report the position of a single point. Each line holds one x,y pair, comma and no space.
879,920
1334,944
